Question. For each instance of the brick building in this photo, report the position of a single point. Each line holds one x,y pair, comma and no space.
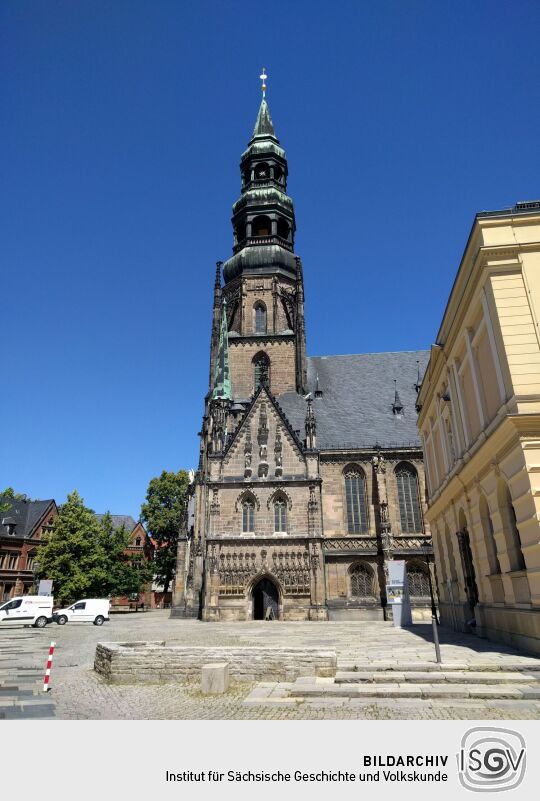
311,472
140,546
22,524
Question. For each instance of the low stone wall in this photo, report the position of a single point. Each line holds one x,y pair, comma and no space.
158,662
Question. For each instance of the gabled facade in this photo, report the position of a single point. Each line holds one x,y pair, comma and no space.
22,525
310,475
140,547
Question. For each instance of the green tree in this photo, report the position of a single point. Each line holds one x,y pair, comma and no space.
127,574
72,554
163,514
8,495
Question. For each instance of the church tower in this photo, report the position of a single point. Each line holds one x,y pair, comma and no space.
252,541
263,284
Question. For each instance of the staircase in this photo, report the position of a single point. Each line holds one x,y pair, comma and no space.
509,680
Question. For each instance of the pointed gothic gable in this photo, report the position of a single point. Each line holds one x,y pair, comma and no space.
264,446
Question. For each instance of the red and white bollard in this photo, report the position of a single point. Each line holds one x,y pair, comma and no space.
48,668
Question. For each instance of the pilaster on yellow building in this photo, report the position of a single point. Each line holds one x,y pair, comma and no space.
480,426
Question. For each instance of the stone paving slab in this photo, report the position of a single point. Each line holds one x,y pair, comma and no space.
77,693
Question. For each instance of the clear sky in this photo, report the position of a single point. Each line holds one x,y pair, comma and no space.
122,127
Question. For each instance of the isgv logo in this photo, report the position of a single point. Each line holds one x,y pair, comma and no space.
491,759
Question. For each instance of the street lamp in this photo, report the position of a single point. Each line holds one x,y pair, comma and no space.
434,622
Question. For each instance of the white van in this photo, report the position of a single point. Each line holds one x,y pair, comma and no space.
27,610
89,610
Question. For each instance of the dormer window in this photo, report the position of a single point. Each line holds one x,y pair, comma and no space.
10,525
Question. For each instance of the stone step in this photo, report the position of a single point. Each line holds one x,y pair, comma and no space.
464,691
424,666
438,677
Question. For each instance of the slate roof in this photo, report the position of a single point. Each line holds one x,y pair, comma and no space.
25,514
121,520
355,410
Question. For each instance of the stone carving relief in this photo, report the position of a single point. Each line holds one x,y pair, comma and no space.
262,439
237,567
247,455
278,454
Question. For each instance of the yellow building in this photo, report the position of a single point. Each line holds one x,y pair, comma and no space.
480,426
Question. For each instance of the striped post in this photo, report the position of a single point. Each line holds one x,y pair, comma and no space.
48,668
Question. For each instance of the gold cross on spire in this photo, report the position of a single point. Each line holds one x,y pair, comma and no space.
263,78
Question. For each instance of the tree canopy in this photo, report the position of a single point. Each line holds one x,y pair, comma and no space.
162,514
8,495
86,557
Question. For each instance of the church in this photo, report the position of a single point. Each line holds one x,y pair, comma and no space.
311,474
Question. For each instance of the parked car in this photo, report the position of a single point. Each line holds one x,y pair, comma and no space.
89,610
27,610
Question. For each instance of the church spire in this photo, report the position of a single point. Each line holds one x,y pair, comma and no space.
222,381
264,126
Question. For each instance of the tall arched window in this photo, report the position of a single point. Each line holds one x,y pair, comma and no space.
248,516
355,495
511,531
259,311
409,504
489,538
280,515
361,581
261,364
418,580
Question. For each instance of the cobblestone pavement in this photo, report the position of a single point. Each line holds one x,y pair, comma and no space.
21,686
78,693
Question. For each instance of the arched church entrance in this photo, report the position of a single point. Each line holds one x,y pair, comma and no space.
265,600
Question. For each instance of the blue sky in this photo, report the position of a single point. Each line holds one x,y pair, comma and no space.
120,138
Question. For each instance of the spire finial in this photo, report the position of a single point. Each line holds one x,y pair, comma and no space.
263,76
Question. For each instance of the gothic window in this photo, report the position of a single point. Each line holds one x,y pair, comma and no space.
248,516
361,581
260,318
418,579
409,504
261,364
355,495
280,515
261,226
